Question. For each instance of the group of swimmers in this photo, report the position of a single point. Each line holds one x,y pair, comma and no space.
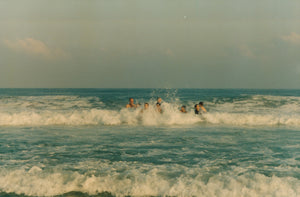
199,108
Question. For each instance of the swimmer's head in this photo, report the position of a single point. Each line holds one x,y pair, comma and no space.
201,103
157,104
146,105
183,108
158,99
131,100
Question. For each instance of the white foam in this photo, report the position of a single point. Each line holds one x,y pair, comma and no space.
123,179
240,119
72,110
82,117
111,117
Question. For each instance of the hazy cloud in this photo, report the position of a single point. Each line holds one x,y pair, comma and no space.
114,43
169,53
298,69
246,51
293,38
35,47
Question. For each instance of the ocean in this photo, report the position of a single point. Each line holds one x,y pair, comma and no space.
83,142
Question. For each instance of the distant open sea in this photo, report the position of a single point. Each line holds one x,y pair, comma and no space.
83,142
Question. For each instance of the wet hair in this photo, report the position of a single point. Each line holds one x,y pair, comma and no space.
158,104
146,103
201,103
183,106
196,105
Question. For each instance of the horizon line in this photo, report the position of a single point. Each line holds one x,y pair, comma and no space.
154,88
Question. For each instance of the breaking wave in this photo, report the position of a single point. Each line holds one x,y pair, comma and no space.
129,179
257,110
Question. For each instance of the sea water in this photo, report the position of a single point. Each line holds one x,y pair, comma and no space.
83,142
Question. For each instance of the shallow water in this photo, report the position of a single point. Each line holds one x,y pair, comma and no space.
68,142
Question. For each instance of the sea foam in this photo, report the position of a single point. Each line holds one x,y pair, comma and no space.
257,110
122,179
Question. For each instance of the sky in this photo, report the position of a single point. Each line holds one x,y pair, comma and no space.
150,44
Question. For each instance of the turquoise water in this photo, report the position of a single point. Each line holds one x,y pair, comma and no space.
82,142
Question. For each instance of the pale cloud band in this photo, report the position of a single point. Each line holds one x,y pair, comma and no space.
293,38
246,51
36,48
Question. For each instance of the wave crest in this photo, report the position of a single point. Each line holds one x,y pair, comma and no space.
112,117
258,110
123,180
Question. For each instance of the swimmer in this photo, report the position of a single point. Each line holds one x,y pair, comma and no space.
197,109
183,109
159,100
158,108
146,106
202,107
131,104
